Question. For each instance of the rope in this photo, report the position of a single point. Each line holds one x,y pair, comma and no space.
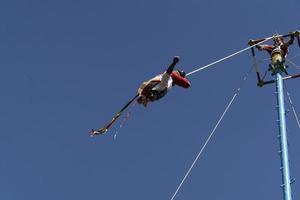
289,96
295,56
210,135
294,64
255,63
292,105
227,57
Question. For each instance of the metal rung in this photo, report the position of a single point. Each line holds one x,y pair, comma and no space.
293,181
281,168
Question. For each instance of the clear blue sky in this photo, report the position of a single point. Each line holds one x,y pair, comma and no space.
68,66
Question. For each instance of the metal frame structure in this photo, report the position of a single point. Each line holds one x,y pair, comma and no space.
279,70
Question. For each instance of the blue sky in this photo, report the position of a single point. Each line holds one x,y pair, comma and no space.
68,66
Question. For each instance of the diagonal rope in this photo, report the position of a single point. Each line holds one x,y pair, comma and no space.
294,64
255,63
292,105
227,57
211,134
295,56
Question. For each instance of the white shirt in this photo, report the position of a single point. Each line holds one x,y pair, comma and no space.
165,82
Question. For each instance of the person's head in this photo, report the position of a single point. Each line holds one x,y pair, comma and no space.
278,40
142,100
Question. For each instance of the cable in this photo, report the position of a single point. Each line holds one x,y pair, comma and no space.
210,135
289,96
293,107
255,63
295,56
225,58
294,64
265,74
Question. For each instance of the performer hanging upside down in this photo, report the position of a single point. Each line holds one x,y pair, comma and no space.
158,87
151,90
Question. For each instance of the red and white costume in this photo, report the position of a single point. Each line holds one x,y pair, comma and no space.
280,46
157,87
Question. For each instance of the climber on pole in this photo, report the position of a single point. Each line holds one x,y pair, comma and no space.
278,51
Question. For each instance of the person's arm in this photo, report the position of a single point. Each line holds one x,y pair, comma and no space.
260,47
290,41
253,42
263,47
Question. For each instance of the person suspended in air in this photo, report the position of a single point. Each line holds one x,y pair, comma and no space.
152,90
157,87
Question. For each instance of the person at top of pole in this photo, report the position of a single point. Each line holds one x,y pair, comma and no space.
280,46
278,51
157,87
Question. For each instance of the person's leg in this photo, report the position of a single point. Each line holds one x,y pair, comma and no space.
166,76
172,65
163,83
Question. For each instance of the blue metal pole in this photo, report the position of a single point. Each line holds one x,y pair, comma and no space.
285,169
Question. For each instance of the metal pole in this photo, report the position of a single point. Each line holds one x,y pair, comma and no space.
285,169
